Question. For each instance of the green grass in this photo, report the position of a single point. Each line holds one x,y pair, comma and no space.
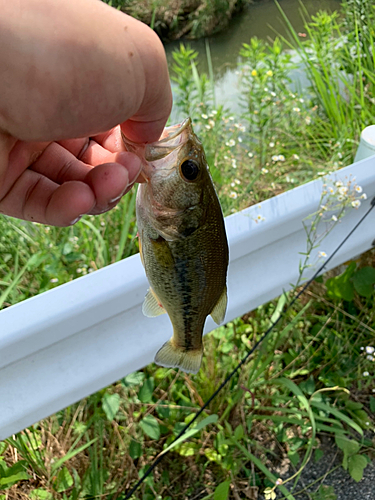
313,376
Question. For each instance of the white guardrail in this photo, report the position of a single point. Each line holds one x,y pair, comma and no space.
69,342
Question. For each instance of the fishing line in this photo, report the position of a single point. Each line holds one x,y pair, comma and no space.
160,457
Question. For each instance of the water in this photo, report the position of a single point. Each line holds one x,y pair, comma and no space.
262,20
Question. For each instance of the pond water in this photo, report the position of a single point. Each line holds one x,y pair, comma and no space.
262,20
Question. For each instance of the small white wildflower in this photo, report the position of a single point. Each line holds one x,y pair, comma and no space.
265,89
273,94
334,218
226,157
331,190
260,218
370,349
343,190
367,423
214,112
321,174
297,110
204,116
232,184
363,196
340,197
370,358
54,280
281,158
264,171
47,229
231,118
356,203
339,155
271,144
362,348
275,158
323,207
242,128
102,223
250,154
302,100
308,120
211,123
295,157
234,163
91,270
322,254
233,195
239,139
339,184
79,270
230,143
208,127
237,181
365,374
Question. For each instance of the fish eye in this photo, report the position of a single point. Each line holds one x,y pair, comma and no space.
189,170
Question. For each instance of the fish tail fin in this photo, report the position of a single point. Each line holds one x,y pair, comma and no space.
172,356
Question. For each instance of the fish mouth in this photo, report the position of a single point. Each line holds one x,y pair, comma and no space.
173,137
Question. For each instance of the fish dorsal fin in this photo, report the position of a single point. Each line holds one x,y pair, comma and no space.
218,312
151,305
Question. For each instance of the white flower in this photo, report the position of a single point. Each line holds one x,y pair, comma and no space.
339,184
237,181
264,171
234,163
281,158
363,196
370,349
233,195
365,374
358,189
239,139
265,89
331,190
230,143
204,116
356,204
211,123
272,144
214,112
54,280
250,154
208,127
322,254
308,120
232,184
231,118
79,270
273,94
260,218
321,174
339,155
275,158
343,190
323,207
334,218
340,198
369,357
301,100
295,157
297,110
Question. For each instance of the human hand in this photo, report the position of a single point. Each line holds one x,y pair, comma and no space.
71,69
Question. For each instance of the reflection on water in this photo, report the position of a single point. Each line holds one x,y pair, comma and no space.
261,19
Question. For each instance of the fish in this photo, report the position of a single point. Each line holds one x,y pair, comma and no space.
182,240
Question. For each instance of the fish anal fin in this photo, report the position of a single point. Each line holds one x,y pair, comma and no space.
218,312
151,305
172,356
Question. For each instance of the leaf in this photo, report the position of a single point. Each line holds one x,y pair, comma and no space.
191,432
135,449
145,393
372,404
364,280
341,286
357,463
40,494
11,475
63,481
222,491
238,432
150,426
135,378
324,493
111,405
348,446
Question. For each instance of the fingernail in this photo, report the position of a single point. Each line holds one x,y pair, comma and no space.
75,220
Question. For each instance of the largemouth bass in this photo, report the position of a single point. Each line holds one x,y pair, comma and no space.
182,242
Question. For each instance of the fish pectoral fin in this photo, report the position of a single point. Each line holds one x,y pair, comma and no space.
172,356
218,312
151,305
